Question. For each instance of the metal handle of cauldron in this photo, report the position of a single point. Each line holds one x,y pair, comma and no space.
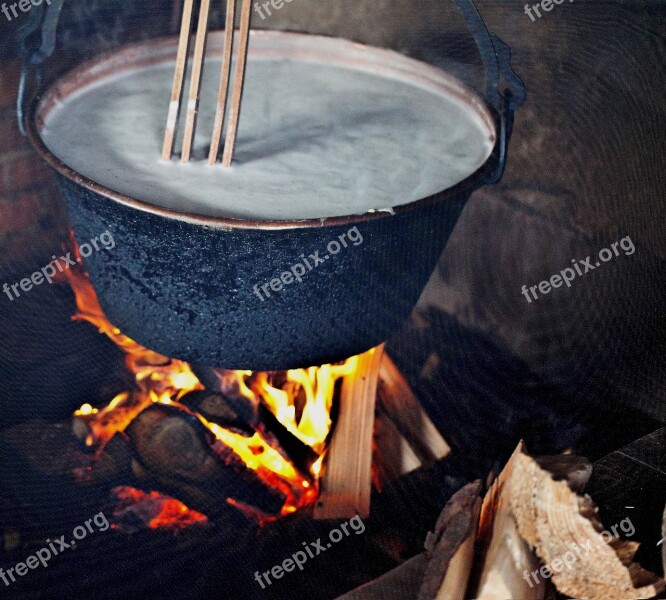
45,19
496,58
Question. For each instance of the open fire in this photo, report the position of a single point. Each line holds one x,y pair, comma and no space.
300,399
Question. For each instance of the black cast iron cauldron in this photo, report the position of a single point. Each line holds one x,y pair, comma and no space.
185,285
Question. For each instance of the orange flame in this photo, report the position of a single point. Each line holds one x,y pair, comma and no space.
156,510
160,379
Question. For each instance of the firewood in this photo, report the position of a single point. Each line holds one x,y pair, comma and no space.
556,521
450,549
505,555
400,583
398,402
293,449
392,455
174,449
112,464
214,380
347,481
218,408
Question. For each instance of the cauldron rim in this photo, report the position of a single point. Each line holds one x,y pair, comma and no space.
45,99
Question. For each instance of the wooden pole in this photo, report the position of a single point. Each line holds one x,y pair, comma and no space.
224,82
239,80
195,83
178,77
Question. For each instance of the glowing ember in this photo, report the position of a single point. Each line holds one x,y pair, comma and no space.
153,510
301,401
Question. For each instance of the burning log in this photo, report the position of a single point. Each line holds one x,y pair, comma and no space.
347,481
176,451
241,402
216,408
221,409
302,455
137,510
113,463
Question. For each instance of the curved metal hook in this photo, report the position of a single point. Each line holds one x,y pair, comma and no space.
496,58
45,19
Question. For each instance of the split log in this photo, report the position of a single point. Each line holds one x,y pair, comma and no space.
392,454
396,399
506,557
404,437
347,481
174,450
566,533
450,549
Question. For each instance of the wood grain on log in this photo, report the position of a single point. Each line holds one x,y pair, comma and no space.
174,450
347,480
399,403
450,548
392,454
505,555
559,524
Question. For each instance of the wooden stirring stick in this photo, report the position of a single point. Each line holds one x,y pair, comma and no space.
224,82
239,79
179,75
195,83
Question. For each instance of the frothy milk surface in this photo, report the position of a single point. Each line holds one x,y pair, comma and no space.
315,140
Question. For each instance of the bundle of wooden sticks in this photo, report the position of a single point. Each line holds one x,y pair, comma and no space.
195,82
